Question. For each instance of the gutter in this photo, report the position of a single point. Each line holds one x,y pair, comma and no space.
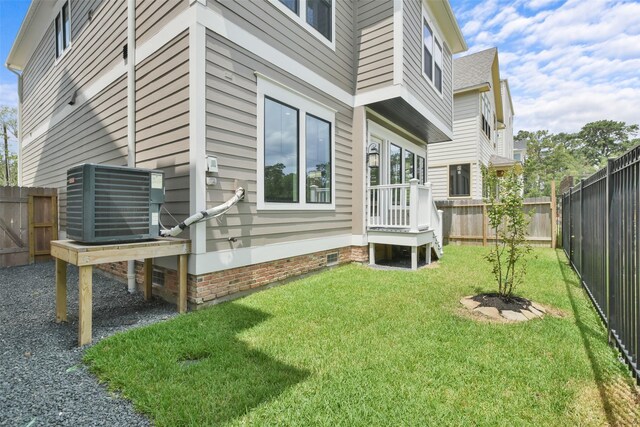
19,75
131,113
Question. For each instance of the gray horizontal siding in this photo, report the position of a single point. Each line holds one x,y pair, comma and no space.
415,81
263,19
152,15
374,37
96,46
96,132
162,121
231,136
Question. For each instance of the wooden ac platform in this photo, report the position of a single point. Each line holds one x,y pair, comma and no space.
86,256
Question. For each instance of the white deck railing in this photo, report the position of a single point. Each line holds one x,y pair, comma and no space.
404,207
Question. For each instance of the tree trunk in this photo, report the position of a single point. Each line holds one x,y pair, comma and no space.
6,154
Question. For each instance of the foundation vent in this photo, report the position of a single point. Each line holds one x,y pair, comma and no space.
332,259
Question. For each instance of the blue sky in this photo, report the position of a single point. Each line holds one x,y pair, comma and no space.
11,14
568,62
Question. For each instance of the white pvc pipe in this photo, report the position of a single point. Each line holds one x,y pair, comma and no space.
131,112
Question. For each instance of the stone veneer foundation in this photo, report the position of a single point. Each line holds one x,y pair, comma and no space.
218,286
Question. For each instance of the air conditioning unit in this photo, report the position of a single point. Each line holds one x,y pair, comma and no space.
108,204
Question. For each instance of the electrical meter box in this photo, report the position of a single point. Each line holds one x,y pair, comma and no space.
110,204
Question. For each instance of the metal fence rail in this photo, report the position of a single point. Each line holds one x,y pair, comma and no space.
601,233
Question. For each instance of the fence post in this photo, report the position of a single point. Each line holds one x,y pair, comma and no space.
608,203
581,228
554,228
570,225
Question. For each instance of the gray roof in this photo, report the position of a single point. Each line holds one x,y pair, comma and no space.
473,70
499,161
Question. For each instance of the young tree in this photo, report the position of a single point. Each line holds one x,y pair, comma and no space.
8,131
509,221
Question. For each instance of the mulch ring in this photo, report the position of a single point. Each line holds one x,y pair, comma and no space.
493,307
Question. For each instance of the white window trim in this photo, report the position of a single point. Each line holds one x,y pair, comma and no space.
301,19
304,104
55,36
436,36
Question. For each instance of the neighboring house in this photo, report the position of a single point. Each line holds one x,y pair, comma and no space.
504,146
296,99
482,128
520,151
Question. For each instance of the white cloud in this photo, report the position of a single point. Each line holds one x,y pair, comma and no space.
9,94
567,64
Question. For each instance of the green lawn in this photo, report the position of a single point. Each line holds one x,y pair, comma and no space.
355,346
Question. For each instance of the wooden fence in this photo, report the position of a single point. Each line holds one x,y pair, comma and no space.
466,222
28,223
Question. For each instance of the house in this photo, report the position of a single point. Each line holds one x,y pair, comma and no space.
322,110
482,129
520,150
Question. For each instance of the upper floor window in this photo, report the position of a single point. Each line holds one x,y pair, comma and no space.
486,115
296,150
431,54
63,29
317,16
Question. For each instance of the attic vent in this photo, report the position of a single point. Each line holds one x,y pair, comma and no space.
332,259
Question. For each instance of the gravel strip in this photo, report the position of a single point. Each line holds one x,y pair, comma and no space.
42,379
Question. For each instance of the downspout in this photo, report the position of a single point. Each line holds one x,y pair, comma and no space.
15,71
131,112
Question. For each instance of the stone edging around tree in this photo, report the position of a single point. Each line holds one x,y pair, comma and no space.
533,311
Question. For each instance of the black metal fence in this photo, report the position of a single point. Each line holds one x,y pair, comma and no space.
600,235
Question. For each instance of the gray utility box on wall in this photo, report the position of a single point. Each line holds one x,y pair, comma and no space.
107,204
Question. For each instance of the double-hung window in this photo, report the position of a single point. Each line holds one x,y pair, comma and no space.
431,54
295,150
486,114
63,29
317,16
460,180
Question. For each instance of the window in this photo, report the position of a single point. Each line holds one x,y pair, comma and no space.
437,66
281,148
318,160
409,165
292,5
295,150
459,180
317,16
395,167
63,29
486,114
422,170
516,156
431,54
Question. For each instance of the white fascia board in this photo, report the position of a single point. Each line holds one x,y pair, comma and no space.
398,42
144,51
233,258
217,23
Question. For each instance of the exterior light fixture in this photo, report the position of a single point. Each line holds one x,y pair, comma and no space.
373,156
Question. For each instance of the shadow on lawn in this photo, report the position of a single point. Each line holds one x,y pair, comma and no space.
228,375
619,397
